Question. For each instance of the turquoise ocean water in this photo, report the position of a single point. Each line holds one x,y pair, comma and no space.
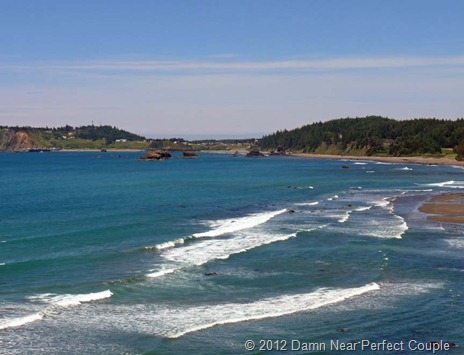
103,254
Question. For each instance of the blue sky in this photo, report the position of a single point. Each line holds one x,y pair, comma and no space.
228,68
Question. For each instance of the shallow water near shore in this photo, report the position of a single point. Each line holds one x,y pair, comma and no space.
100,253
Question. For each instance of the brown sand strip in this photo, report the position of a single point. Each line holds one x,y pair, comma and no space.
445,208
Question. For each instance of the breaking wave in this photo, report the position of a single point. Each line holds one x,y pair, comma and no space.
54,301
208,250
182,321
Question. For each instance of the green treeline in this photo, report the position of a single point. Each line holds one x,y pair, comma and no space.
110,134
372,135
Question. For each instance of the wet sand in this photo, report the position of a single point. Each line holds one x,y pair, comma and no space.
448,208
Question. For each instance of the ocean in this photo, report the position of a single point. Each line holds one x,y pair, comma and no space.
104,254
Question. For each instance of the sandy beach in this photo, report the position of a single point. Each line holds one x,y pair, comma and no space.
445,208
397,160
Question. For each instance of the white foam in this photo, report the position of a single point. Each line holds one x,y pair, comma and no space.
449,184
1,264
166,245
307,203
54,301
405,169
207,250
334,197
370,171
69,299
227,226
345,217
20,321
424,190
382,222
441,184
395,229
358,163
384,202
164,270
181,321
455,243
361,209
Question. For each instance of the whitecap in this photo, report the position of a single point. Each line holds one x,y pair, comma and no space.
361,209
20,321
307,203
66,300
207,250
232,225
345,217
166,245
54,301
441,184
163,270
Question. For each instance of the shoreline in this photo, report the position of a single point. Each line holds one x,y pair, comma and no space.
395,160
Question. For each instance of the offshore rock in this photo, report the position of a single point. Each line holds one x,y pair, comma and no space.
189,154
254,154
150,156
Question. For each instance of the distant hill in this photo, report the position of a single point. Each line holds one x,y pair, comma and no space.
372,135
84,137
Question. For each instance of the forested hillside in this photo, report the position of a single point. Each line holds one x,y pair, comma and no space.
372,135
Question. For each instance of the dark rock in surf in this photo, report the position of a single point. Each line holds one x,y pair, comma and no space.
254,154
151,156
189,154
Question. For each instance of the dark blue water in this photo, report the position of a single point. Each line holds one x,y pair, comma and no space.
103,254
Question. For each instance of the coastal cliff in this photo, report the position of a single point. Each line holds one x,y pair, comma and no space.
11,141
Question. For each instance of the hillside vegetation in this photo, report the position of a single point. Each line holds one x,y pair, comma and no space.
372,135
67,137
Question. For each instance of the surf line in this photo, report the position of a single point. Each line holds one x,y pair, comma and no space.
221,227
55,301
